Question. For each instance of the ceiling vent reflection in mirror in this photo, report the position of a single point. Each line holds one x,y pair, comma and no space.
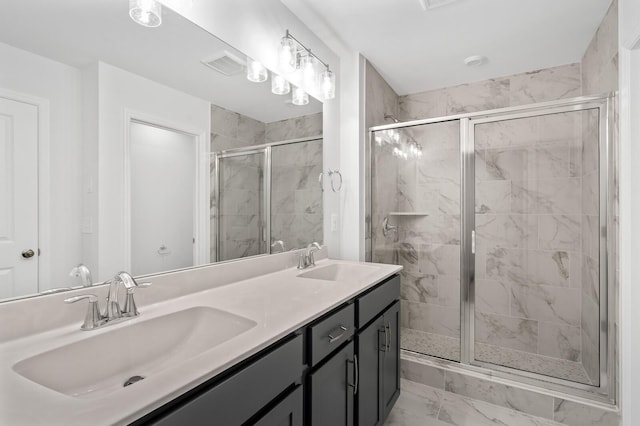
225,63
434,4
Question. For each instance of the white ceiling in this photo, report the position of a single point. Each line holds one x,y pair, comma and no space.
81,32
416,49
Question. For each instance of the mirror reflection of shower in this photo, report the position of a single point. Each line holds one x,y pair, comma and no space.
402,144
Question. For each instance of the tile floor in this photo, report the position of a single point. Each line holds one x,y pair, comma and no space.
421,405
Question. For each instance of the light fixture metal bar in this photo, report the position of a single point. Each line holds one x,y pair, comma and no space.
306,49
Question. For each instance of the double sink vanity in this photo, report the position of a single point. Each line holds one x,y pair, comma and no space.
255,341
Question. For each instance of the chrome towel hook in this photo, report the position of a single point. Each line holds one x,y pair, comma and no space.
333,186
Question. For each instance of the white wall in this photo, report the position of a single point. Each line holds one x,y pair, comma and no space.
60,175
255,27
629,21
121,92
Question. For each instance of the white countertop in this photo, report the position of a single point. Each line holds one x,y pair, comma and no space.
279,302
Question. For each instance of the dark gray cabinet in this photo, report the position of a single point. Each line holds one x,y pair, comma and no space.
378,350
288,412
331,390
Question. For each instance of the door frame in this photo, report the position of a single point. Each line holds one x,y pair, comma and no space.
201,224
44,186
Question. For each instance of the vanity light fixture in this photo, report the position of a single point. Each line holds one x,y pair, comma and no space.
256,72
299,96
279,85
296,57
147,13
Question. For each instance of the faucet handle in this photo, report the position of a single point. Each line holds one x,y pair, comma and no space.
93,318
130,308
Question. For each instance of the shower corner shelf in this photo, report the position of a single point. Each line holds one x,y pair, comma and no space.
408,214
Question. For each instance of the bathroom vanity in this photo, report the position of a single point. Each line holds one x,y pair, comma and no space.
275,346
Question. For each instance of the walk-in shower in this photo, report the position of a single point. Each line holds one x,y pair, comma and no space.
502,220
267,198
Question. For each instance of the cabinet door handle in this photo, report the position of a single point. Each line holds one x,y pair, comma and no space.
356,374
387,338
382,346
340,333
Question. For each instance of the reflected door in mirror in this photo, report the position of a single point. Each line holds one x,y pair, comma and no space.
163,178
18,198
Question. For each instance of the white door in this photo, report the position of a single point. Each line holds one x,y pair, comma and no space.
163,186
18,198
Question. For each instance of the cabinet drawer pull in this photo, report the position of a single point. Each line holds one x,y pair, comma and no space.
333,336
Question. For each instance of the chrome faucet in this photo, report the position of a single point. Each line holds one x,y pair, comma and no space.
277,243
82,271
112,311
306,259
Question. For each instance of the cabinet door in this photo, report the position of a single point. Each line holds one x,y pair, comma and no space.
391,361
370,350
331,390
287,413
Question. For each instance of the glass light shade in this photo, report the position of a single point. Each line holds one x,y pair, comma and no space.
147,13
279,85
308,67
287,55
328,79
256,72
299,97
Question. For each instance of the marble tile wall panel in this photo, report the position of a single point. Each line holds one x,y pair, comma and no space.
600,61
487,94
529,267
560,232
544,85
503,395
546,303
590,325
419,403
421,373
546,196
493,297
435,228
431,318
235,130
559,341
294,128
508,231
380,98
509,332
575,414
440,259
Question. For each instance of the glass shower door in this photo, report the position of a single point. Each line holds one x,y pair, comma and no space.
242,211
415,214
537,278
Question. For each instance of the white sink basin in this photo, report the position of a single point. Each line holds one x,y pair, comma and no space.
339,272
103,362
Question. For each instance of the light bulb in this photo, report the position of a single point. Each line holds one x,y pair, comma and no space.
287,55
256,72
299,96
307,64
328,84
147,13
279,85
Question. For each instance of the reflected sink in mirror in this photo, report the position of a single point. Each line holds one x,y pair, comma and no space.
339,272
104,362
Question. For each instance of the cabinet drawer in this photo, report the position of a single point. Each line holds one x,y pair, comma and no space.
374,302
240,396
329,333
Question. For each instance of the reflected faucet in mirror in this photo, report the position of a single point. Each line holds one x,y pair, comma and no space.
82,271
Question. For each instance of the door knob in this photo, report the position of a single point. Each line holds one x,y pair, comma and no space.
28,253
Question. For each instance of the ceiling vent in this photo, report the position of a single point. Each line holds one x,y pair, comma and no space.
434,4
225,63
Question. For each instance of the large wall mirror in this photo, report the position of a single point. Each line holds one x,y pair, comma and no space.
124,147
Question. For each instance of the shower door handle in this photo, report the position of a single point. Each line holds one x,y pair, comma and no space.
473,242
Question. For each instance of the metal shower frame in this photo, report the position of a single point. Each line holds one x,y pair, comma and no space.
606,391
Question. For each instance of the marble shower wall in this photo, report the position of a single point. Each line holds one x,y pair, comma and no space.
599,75
242,189
296,195
294,128
530,198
